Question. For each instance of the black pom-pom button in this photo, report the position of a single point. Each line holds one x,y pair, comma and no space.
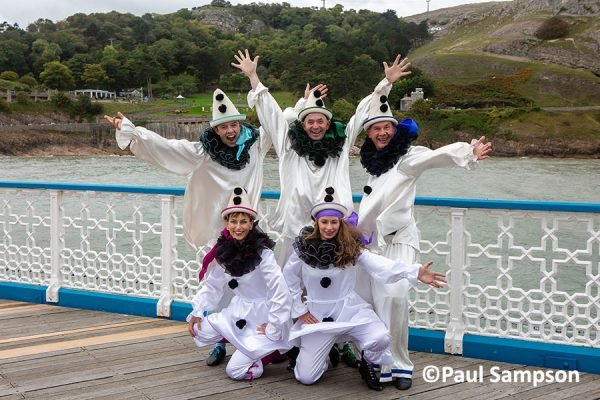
237,200
328,198
219,97
367,189
383,108
330,190
383,99
237,191
233,283
223,108
240,323
325,282
317,93
319,162
319,103
328,319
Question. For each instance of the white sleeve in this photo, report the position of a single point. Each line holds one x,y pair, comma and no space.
421,158
384,270
280,302
291,113
208,297
355,125
177,156
292,272
271,117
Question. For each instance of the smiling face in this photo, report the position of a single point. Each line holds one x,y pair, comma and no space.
381,133
229,132
315,125
328,227
239,225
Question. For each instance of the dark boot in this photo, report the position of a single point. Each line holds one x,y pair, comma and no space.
403,383
368,374
292,355
334,356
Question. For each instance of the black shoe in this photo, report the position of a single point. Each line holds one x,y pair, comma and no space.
216,356
292,355
403,383
348,357
368,374
334,356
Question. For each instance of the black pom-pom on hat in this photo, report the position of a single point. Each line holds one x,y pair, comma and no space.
367,189
223,108
328,198
317,93
325,282
233,283
240,323
383,108
383,99
319,103
237,200
237,191
219,97
330,190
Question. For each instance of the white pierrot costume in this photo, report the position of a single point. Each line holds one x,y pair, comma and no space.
387,210
302,182
209,182
331,298
259,296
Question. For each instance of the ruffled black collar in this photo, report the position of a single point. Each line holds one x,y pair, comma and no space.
225,155
239,258
378,162
318,151
317,253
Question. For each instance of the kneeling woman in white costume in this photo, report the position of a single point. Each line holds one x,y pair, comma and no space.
325,261
257,320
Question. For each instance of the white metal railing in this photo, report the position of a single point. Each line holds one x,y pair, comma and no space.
516,269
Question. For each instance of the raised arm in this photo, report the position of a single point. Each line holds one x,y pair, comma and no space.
248,66
177,156
459,154
385,270
398,69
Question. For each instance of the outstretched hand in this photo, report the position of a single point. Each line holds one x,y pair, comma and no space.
481,149
397,70
248,66
115,121
320,87
432,278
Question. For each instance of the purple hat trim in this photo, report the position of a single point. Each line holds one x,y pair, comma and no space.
328,212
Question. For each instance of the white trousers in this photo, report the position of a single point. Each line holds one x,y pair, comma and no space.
239,367
390,302
313,359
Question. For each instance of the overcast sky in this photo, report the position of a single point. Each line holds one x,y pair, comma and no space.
24,12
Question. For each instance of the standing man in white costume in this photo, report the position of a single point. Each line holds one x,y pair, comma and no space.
387,210
228,154
313,150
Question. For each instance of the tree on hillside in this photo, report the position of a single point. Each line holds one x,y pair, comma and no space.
94,76
13,55
57,76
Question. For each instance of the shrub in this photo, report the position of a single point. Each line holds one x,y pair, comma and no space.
9,75
4,107
22,97
552,28
342,110
61,101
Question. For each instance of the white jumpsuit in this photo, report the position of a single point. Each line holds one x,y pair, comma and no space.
331,296
260,296
388,212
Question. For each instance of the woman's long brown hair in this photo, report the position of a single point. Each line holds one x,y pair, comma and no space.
348,238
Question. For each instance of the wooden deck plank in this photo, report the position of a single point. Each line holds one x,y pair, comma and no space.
75,355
